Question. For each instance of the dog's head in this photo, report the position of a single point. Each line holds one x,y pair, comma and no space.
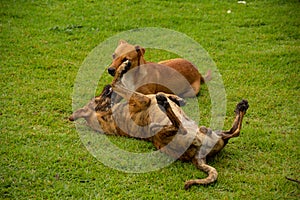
126,52
101,103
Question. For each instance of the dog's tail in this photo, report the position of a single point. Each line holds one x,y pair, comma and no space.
207,77
211,171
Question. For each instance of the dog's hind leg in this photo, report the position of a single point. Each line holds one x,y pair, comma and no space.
200,161
240,111
211,171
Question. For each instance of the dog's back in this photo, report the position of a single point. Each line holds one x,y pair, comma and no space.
152,78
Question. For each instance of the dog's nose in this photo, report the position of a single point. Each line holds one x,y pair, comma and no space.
111,71
71,118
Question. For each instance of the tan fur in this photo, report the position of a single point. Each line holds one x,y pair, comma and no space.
159,119
135,54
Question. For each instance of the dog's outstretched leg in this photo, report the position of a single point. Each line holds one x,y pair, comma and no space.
240,111
211,171
119,87
117,84
166,108
136,100
123,68
200,161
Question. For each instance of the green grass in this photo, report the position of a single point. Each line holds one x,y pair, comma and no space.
43,43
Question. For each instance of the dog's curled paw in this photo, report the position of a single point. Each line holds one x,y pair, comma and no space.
162,100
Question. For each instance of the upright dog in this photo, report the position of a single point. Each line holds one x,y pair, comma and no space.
158,118
135,55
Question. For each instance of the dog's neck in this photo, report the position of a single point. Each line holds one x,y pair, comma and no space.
140,56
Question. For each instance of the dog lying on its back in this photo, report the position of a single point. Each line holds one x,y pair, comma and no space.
159,119
135,55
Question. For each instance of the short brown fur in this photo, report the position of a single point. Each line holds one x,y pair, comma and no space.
167,121
135,54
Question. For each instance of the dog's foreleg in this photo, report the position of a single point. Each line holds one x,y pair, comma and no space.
120,88
122,91
123,68
176,99
211,171
166,108
240,111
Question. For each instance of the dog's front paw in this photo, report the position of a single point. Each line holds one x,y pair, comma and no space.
176,99
122,69
125,67
162,100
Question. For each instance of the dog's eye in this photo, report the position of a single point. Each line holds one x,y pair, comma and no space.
124,59
114,56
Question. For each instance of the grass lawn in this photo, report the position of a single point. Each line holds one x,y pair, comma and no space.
256,48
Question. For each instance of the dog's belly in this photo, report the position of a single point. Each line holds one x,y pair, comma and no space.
169,141
141,124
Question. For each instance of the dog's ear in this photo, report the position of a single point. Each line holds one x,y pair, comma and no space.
122,42
141,49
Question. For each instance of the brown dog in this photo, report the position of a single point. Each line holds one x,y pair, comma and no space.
135,55
158,118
